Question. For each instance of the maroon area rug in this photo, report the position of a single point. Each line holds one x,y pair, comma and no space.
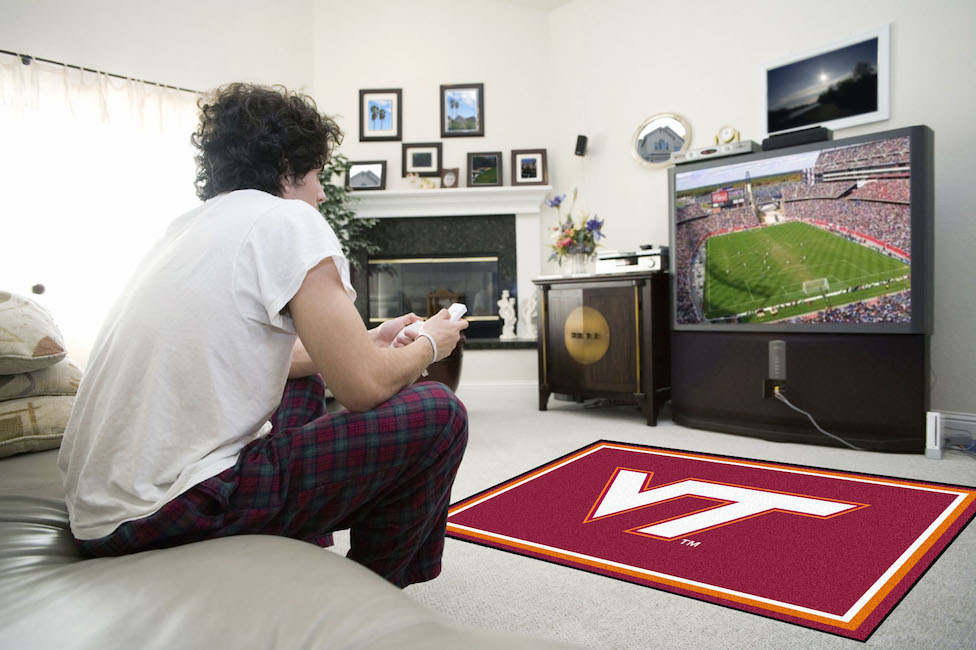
824,549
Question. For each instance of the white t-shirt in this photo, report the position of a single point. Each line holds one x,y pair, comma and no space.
193,358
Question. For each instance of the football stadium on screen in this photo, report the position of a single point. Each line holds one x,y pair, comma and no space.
817,236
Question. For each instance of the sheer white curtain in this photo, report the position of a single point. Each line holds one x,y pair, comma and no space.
92,169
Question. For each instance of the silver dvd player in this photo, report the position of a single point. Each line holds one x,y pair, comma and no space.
715,151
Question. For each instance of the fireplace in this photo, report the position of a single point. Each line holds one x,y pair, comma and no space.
476,242
472,257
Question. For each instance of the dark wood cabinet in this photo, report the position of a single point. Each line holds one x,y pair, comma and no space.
606,336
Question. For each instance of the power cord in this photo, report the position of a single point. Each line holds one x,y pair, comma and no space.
965,445
779,395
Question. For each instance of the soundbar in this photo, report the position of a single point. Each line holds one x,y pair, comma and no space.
793,138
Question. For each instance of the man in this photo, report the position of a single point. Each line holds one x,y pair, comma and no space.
201,413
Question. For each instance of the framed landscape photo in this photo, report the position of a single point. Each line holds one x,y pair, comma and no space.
366,175
380,115
484,169
422,158
462,110
839,86
529,167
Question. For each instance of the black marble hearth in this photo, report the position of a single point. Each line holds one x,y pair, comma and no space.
475,235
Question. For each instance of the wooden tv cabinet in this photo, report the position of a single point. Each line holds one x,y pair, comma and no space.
606,336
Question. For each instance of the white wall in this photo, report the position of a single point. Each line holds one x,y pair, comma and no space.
417,46
616,62
185,43
588,67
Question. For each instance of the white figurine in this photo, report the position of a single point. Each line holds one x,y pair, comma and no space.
529,330
506,309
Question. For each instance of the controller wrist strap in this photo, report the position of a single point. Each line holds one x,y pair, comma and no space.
432,344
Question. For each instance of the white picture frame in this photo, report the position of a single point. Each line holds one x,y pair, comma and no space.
793,88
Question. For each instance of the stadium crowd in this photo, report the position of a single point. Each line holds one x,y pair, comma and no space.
886,222
880,153
827,190
895,190
896,308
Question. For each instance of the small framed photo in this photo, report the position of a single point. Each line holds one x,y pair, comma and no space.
380,115
462,110
366,175
529,167
842,85
422,158
484,169
449,177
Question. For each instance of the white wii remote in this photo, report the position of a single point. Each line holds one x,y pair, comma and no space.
457,310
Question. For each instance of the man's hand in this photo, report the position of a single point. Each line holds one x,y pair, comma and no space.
445,332
387,332
360,374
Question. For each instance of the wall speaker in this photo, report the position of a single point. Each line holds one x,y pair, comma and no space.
580,145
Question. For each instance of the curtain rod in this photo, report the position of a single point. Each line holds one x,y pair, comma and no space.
27,59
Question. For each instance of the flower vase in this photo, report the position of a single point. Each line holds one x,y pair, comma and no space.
578,263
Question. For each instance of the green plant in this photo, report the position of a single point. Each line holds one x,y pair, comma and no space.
353,232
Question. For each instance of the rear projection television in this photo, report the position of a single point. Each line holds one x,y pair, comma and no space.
834,236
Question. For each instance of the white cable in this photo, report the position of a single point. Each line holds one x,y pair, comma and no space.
778,395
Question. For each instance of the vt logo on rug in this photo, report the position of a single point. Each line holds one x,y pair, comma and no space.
820,548
628,490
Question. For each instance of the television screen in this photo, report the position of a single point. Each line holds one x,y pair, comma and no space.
834,235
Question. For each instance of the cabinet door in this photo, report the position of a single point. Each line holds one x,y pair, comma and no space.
592,339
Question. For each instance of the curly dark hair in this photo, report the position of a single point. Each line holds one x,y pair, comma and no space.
255,137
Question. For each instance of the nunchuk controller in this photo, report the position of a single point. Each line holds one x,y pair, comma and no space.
457,310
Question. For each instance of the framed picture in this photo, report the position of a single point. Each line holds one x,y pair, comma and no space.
484,169
422,159
380,115
529,167
366,175
839,86
462,110
449,177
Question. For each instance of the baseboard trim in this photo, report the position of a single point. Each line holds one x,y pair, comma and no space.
956,421
488,383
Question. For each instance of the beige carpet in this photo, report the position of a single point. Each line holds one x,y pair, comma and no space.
495,589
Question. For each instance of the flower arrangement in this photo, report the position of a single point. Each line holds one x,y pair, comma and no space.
575,235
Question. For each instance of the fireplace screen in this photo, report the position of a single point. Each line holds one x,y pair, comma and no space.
402,285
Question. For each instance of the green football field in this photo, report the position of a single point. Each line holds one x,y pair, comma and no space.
767,266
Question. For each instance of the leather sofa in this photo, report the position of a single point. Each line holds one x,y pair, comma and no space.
251,591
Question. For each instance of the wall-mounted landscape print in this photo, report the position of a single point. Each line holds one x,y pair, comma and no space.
840,86
462,110
380,115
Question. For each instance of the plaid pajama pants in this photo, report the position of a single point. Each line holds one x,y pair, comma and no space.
385,475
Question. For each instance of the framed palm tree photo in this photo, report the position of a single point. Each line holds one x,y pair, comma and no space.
462,110
380,115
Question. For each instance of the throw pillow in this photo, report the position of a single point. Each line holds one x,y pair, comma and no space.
60,379
29,339
33,423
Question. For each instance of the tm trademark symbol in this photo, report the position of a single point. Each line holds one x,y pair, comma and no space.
688,542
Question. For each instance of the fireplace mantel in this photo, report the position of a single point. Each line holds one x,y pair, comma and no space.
452,202
524,202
